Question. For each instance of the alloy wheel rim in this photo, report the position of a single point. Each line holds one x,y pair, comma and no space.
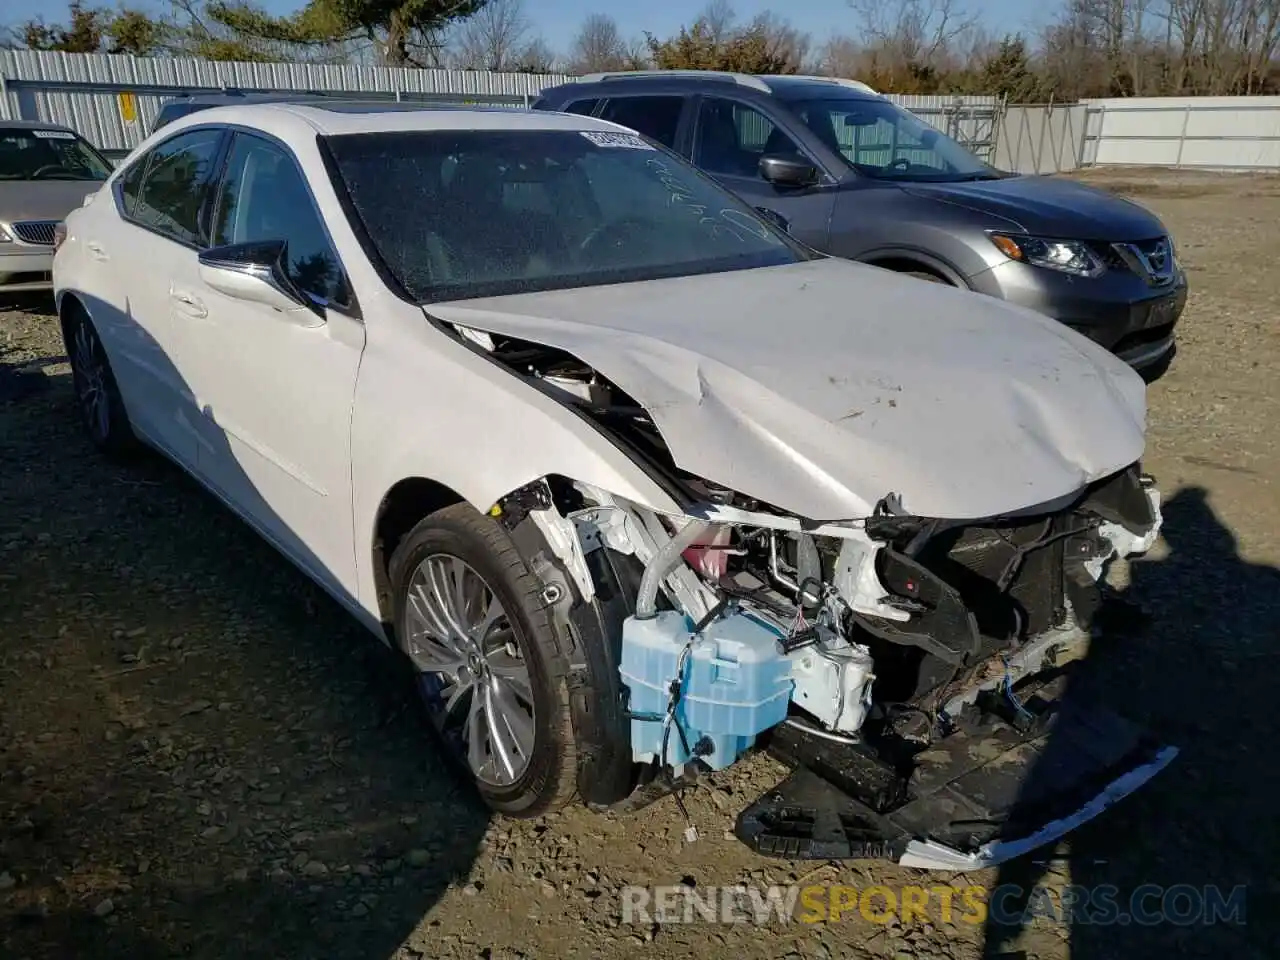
90,382
473,674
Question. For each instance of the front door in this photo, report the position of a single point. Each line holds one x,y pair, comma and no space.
275,388
730,138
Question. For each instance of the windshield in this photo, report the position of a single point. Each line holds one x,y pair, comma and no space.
881,140
49,155
456,214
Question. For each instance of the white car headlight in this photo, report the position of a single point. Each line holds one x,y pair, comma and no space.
4,235
1068,256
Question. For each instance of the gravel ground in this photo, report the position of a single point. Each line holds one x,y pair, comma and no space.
200,756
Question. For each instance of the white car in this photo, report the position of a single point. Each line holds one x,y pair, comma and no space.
634,481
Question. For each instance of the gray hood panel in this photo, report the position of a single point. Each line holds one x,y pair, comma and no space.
42,199
823,386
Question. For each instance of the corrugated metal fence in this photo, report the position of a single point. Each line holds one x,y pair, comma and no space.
113,100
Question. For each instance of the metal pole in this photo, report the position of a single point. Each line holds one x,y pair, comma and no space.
1037,155
1182,137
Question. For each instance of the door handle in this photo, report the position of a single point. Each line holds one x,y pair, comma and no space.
96,251
188,303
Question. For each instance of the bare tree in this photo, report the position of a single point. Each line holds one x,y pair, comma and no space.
719,19
494,38
914,31
597,46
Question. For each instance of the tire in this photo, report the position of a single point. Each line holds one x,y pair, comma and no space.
925,275
98,400
460,547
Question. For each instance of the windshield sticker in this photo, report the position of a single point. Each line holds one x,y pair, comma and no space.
628,141
54,134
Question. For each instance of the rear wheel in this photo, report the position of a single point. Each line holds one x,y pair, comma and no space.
471,621
98,397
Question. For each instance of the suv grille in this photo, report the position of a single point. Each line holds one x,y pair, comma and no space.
1152,259
35,231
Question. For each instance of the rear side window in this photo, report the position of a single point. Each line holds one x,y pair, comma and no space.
657,118
583,107
131,184
172,189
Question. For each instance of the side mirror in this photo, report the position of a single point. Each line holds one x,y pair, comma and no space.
774,217
788,171
255,272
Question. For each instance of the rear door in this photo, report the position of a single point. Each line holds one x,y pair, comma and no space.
662,117
729,138
137,247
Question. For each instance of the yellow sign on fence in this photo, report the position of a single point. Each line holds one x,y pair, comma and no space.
128,107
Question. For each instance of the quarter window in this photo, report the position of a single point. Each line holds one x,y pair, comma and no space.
657,118
582,107
172,189
263,196
732,137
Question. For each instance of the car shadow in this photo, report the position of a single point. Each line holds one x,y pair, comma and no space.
1198,668
201,753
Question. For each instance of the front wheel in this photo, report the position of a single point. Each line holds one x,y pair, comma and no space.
471,620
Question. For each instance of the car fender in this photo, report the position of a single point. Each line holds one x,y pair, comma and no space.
430,406
896,254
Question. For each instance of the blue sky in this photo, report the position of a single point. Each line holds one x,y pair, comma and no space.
558,20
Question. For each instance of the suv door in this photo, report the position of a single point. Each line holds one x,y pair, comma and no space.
138,246
729,138
662,117
276,387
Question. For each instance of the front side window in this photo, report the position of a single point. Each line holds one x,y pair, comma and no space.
883,141
172,189
658,118
455,214
49,155
732,137
263,196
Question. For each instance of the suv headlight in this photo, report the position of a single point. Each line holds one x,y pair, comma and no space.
1068,256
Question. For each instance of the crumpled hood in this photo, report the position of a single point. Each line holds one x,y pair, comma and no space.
1052,207
42,199
821,387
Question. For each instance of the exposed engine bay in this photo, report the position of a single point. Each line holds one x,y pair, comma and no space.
859,650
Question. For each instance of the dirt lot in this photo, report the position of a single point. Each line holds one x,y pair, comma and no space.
201,757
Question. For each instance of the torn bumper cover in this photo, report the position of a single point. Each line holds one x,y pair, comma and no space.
990,792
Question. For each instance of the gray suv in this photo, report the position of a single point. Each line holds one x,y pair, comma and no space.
852,174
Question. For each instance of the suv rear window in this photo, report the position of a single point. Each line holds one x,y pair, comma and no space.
656,117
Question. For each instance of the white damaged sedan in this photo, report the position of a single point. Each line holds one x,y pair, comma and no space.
634,482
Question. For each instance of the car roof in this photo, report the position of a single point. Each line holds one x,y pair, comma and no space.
783,86
33,125
337,118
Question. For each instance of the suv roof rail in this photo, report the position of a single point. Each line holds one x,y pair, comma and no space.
722,76
841,81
